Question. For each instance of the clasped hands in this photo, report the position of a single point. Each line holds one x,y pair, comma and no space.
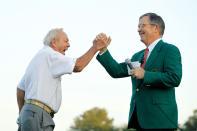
137,73
101,42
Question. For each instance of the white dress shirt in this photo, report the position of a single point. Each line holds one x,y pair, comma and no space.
150,48
42,79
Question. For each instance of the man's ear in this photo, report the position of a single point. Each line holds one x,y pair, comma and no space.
53,45
157,29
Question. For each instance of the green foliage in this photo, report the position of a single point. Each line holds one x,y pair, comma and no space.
95,119
122,128
191,124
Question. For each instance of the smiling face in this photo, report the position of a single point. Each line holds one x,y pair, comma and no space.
148,32
60,43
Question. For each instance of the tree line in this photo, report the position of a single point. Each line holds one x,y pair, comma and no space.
96,119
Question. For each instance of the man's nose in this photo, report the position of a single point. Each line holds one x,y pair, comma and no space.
68,44
139,29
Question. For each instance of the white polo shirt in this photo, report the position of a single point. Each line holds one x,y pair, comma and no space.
42,79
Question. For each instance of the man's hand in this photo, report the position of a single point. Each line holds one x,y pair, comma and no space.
101,41
138,73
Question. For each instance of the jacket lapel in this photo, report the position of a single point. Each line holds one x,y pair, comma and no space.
153,54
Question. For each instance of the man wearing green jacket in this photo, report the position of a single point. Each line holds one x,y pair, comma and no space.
153,103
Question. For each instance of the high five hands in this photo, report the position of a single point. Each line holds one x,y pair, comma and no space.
102,41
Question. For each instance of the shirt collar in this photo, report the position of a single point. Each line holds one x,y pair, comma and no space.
49,48
152,45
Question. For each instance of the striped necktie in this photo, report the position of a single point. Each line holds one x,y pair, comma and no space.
145,57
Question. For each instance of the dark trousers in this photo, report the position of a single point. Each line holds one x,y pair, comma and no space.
133,123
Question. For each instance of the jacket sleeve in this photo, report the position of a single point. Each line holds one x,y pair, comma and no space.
172,73
114,69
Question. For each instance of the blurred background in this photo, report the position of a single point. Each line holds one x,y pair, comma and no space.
24,23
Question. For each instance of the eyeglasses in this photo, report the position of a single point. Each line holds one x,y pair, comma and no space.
143,25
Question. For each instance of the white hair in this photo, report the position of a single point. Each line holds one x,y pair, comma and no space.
52,34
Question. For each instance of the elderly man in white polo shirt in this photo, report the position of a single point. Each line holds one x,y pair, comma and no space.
39,92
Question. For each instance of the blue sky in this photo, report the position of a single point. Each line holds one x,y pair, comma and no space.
25,23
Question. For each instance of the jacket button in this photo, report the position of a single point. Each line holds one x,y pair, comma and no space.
137,90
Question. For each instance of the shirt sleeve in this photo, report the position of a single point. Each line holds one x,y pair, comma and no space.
60,64
129,70
21,84
103,52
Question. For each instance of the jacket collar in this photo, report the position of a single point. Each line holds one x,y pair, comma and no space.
154,53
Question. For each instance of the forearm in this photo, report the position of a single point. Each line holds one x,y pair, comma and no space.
83,61
114,69
20,98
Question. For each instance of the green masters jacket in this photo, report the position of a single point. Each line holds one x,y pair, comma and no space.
154,98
